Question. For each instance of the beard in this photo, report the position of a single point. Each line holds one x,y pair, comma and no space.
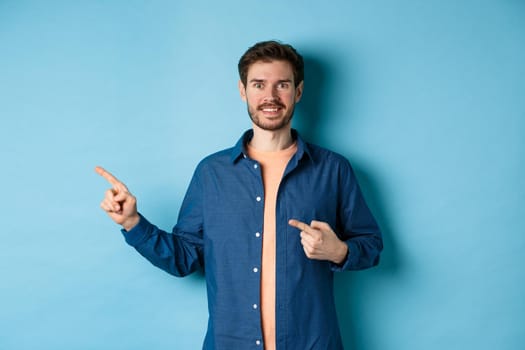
273,125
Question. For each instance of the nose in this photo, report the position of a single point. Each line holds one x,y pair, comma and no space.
272,94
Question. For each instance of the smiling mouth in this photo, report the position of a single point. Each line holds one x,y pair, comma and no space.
270,108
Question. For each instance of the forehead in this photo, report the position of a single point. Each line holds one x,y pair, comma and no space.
269,70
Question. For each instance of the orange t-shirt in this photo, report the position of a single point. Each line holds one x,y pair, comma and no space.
272,165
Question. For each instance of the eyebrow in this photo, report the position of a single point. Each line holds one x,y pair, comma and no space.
264,80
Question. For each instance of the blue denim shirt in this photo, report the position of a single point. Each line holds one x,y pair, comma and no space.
220,229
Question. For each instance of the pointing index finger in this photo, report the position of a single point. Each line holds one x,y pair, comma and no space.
110,178
300,225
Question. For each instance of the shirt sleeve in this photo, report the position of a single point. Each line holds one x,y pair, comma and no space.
358,227
179,252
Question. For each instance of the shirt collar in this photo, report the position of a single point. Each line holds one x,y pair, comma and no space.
239,150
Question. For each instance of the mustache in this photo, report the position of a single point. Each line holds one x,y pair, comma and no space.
271,105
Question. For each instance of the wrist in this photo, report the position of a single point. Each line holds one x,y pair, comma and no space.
131,222
342,253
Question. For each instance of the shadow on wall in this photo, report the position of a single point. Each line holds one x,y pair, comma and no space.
309,108
351,288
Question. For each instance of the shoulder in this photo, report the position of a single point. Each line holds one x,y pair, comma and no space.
333,165
327,157
220,158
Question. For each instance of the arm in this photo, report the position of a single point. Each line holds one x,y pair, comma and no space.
358,227
178,253
358,241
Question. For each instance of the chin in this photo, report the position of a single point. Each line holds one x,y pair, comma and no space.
272,126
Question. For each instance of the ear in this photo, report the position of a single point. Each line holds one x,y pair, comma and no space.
299,91
242,90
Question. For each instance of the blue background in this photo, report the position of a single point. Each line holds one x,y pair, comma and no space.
426,98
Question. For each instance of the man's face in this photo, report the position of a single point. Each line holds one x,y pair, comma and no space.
270,94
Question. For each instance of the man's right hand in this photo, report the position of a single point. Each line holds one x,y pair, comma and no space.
119,203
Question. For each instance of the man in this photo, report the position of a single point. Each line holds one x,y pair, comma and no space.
269,220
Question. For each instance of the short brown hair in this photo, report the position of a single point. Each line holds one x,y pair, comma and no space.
268,51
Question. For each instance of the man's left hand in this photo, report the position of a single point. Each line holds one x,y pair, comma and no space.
320,242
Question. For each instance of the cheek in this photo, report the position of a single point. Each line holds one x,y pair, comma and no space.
254,99
289,98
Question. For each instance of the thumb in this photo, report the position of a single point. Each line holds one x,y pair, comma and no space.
121,196
320,225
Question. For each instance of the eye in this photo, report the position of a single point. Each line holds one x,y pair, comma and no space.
258,85
283,85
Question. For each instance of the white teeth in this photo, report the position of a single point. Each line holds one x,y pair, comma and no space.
270,109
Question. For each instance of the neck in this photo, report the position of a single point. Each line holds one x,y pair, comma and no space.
271,141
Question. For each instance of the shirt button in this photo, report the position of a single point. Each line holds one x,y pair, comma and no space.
255,269
254,306
255,166
257,342
258,199
257,234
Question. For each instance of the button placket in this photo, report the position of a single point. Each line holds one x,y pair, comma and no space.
258,234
